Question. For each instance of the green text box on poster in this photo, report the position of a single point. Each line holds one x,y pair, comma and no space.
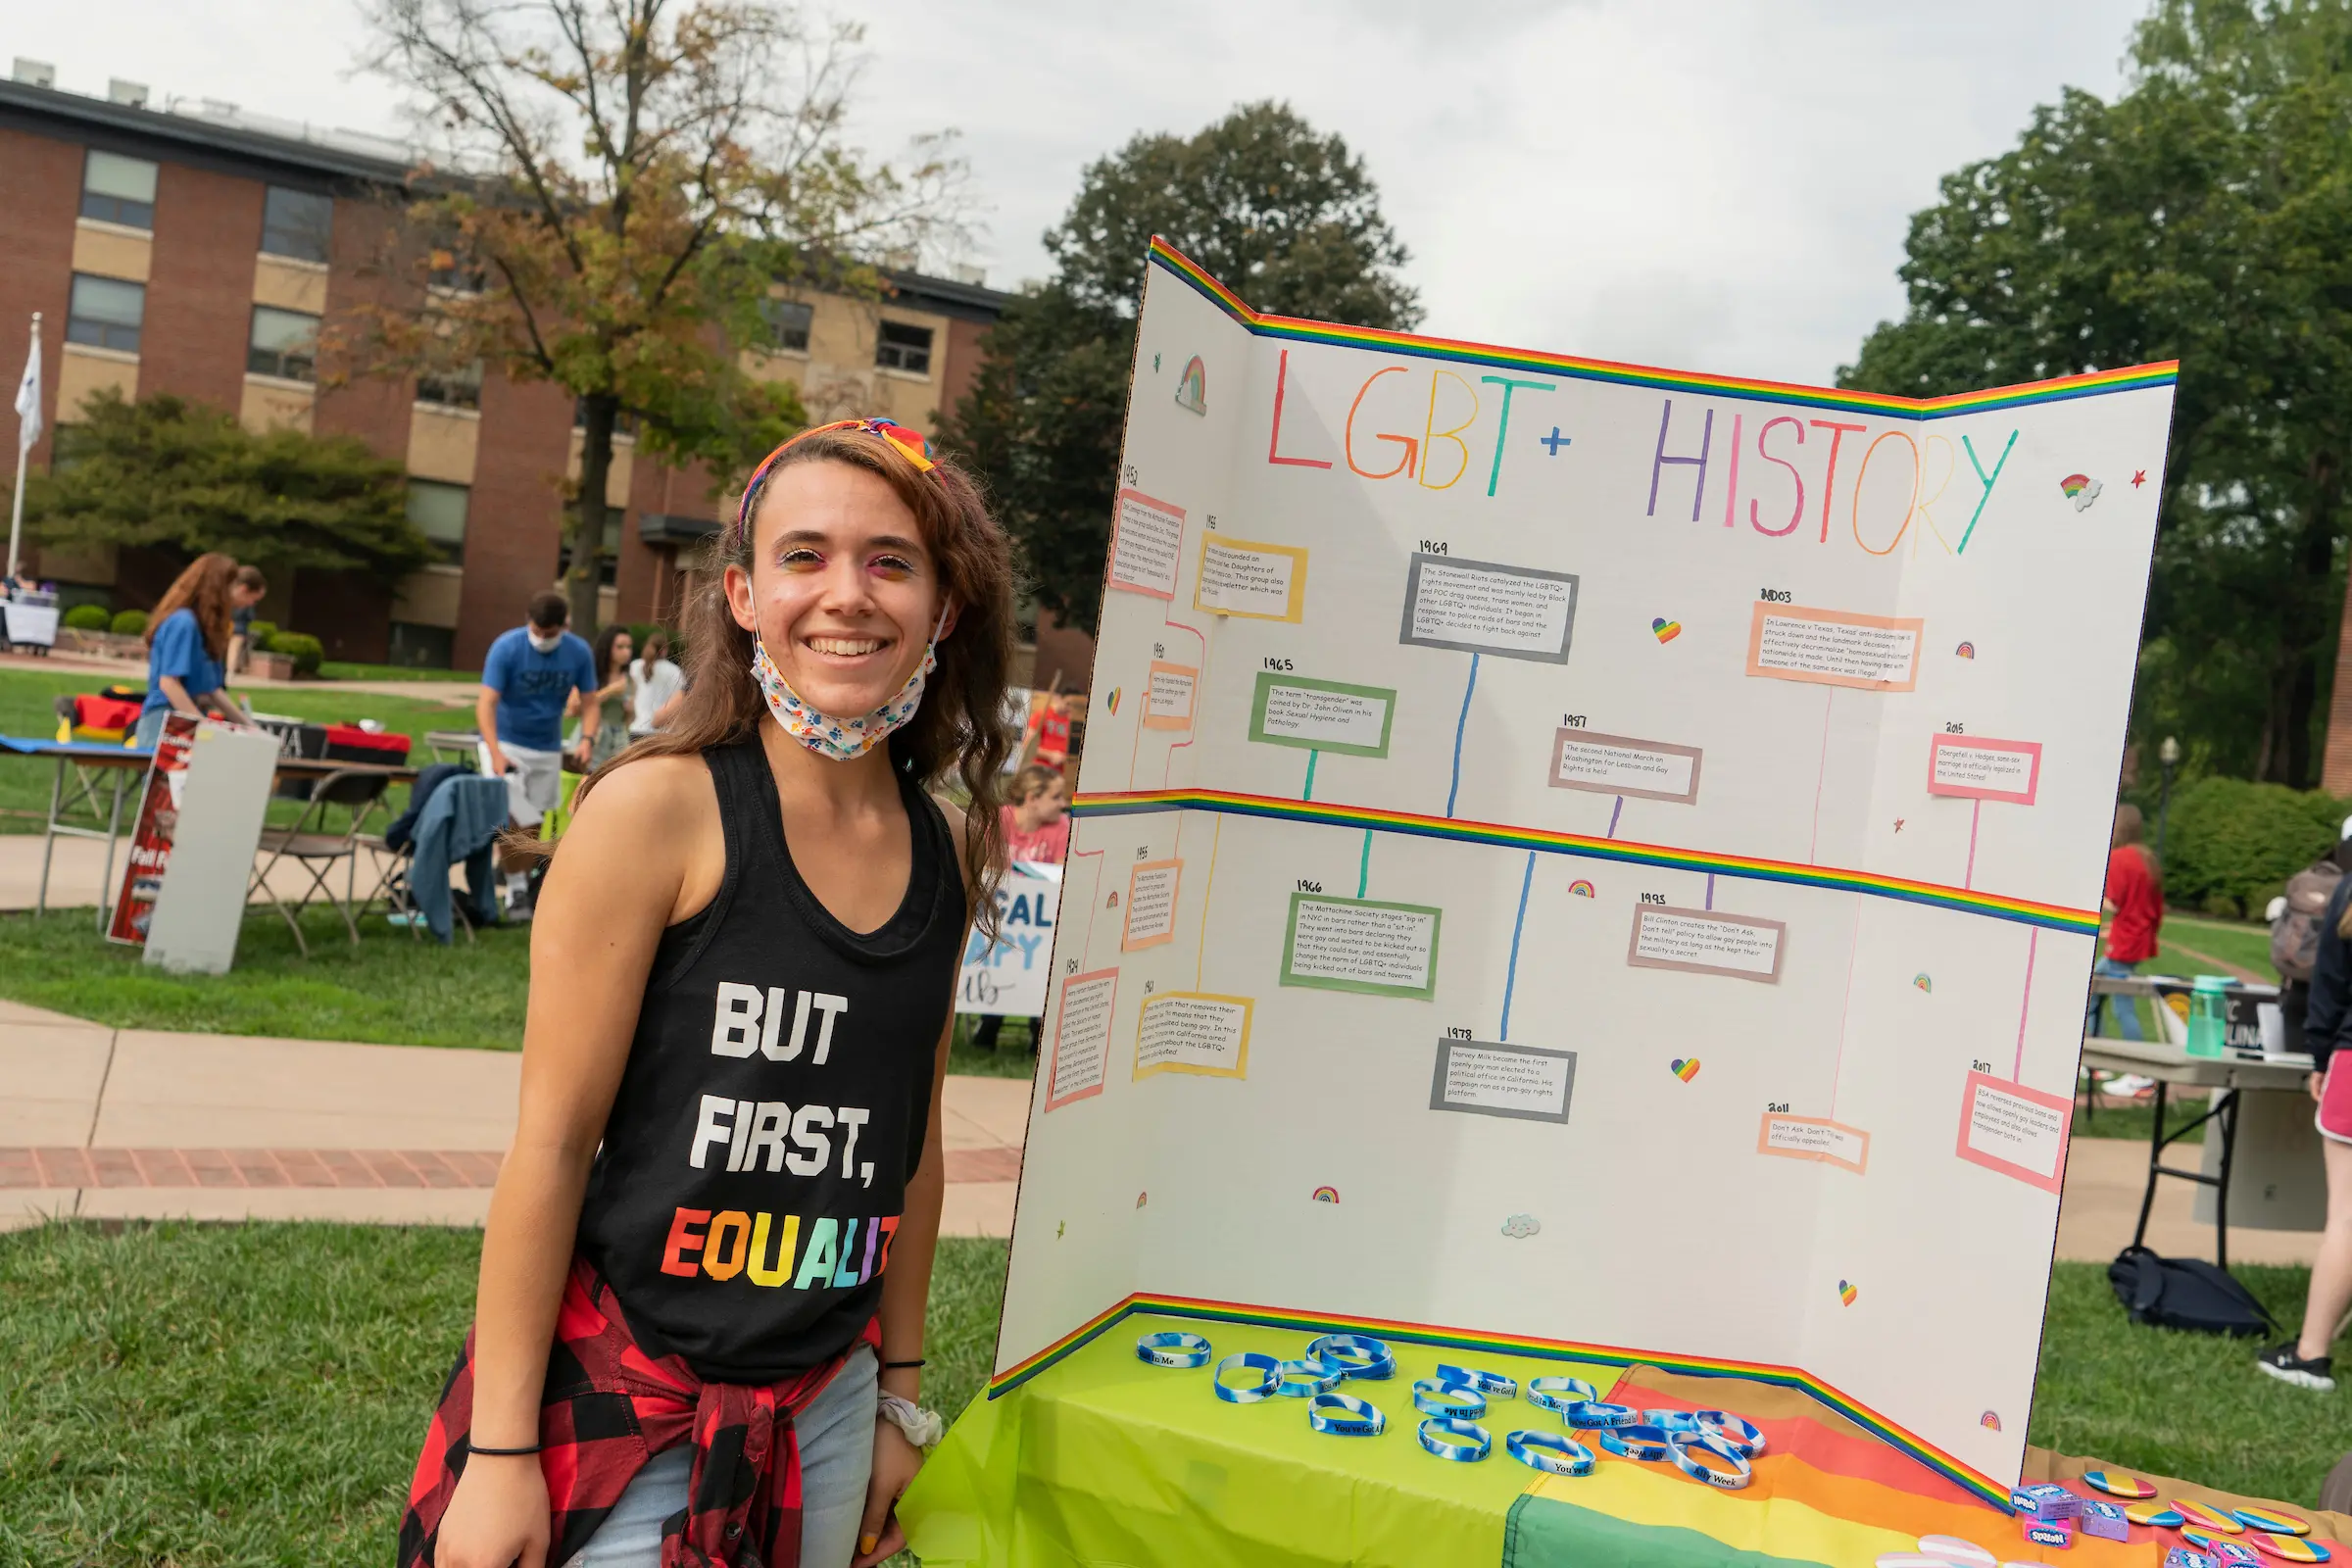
1383,950
1321,715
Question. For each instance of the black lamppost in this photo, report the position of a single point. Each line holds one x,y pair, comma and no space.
2169,754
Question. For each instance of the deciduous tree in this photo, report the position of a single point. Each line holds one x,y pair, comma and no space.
620,186
1286,217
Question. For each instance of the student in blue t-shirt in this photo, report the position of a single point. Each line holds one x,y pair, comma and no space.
187,641
527,682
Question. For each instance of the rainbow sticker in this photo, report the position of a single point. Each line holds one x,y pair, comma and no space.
1965,651
1846,1293
2117,1485
1684,1067
1665,630
1141,1199
2197,1513
2288,1547
2153,1513
1580,889
1990,1421
2272,1520
1923,982
2081,488
1192,388
1114,701
1327,1194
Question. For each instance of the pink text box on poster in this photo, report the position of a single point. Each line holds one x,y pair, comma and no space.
1980,769
1815,1138
2017,1131
1146,543
1151,912
1834,647
1079,1063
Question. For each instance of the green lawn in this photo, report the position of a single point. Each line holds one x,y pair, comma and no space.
206,1396
200,1396
339,670
390,989
25,708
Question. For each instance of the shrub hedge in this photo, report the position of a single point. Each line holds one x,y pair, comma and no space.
129,623
305,649
2230,845
87,617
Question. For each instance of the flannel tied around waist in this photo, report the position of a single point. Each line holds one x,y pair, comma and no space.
607,1408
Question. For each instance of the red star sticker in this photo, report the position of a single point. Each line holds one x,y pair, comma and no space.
2140,476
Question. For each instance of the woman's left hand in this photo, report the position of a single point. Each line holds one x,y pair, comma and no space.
895,1460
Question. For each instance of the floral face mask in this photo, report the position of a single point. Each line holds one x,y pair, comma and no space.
841,740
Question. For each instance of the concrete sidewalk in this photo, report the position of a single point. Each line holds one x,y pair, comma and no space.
136,1123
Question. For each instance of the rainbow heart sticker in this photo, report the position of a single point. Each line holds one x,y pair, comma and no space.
1114,701
1846,1293
2081,488
1666,630
1685,1068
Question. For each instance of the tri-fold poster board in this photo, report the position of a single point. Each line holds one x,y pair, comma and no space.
1589,858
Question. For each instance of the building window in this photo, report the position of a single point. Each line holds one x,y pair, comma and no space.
452,389
448,268
296,223
788,323
904,347
608,569
284,343
439,513
116,189
106,313
417,646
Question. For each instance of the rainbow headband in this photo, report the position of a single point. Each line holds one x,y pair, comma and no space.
913,445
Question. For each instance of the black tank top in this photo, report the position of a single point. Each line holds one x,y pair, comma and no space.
775,1104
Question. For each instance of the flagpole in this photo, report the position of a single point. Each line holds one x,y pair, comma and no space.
15,511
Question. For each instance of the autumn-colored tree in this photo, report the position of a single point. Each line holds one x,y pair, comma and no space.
620,187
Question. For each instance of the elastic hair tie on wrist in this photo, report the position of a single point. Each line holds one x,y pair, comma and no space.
502,1453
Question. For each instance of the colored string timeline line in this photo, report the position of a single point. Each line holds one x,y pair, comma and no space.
1967,901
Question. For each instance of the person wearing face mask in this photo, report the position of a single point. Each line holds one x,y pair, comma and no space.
528,678
703,1282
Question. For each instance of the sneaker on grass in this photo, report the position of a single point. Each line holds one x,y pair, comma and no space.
2281,1362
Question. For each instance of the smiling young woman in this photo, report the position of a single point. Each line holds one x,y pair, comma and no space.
703,1284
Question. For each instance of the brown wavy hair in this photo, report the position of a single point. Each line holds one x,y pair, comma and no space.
958,730
203,589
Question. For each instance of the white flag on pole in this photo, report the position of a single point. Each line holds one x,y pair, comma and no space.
29,402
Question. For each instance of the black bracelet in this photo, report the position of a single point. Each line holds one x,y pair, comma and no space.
893,1366
502,1453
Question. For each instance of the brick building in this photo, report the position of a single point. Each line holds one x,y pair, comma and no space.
195,250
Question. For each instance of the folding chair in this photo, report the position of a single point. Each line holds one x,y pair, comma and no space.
315,849
394,887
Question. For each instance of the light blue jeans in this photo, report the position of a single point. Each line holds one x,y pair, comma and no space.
837,1456
2125,1009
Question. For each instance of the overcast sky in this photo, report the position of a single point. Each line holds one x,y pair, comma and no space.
1710,187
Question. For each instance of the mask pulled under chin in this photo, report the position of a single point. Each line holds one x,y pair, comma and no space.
841,740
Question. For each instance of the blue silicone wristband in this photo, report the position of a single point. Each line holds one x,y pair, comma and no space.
1670,1420
1172,1349
1251,1362
1594,1413
1551,1452
1494,1384
1558,1394
1465,1441
1344,1416
1354,1355
1430,1398
1683,1445
1644,1443
1736,1432
1302,1380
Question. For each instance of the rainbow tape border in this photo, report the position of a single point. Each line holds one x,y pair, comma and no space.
1316,1323
2054,916
1294,329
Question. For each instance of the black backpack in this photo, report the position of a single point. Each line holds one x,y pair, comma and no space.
2184,1293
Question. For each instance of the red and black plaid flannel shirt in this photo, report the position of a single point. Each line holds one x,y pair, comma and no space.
608,1407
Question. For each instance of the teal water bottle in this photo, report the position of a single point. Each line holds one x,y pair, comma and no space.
2209,1014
